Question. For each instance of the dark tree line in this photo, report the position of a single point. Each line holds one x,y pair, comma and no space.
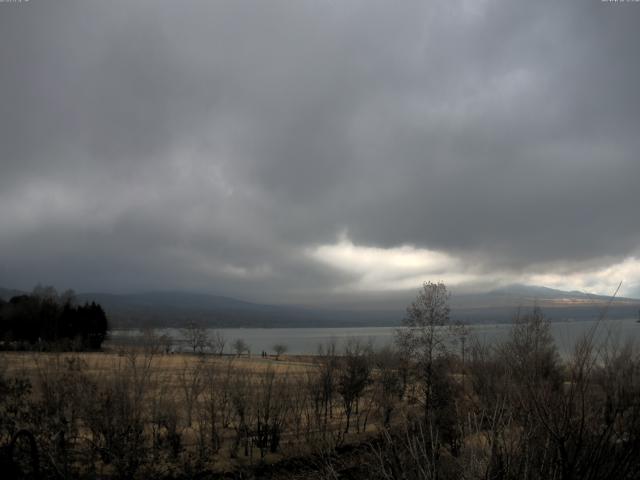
47,319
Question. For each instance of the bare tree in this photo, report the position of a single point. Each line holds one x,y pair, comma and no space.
423,337
191,383
240,346
215,399
388,385
299,404
324,387
353,377
196,337
280,349
166,342
150,341
271,408
218,342
243,403
116,413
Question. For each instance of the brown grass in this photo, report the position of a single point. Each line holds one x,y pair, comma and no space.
167,367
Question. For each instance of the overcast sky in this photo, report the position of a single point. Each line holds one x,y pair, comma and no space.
319,151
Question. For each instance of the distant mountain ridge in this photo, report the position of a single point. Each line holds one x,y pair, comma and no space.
518,294
175,309
552,293
500,305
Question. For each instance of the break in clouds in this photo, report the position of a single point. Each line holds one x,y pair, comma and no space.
295,151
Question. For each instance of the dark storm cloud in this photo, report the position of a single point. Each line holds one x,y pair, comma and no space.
218,145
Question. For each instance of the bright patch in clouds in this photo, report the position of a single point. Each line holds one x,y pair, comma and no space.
602,280
396,268
406,266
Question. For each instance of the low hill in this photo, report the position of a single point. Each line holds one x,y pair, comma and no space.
175,309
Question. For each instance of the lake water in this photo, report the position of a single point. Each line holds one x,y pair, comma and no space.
307,340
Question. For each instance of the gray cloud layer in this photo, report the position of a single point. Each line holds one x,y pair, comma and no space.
213,145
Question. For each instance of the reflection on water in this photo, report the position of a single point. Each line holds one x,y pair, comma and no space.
307,340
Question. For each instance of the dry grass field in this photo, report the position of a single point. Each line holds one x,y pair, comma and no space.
188,411
29,364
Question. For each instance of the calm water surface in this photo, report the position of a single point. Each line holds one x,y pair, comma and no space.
307,340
